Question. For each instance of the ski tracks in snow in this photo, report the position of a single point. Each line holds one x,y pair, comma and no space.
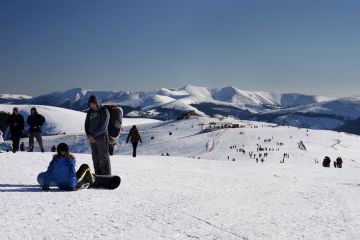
215,139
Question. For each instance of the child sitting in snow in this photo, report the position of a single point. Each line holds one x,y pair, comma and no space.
61,172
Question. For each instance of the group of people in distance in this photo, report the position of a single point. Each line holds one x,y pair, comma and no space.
17,124
337,163
61,171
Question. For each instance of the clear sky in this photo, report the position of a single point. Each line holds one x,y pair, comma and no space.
305,46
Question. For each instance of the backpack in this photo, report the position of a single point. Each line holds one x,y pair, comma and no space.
115,123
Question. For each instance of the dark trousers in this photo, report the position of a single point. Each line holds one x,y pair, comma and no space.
100,156
111,149
16,141
134,144
38,137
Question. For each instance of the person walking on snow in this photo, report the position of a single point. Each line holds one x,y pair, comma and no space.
35,122
96,128
135,138
16,124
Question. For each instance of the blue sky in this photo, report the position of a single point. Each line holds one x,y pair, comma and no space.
302,46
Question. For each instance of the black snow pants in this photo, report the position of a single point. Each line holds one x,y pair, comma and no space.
134,145
15,138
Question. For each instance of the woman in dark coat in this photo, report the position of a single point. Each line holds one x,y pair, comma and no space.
135,138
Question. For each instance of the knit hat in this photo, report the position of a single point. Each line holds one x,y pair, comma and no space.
62,149
93,99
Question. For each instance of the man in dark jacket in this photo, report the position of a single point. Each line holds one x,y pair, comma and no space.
35,122
16,124
96,128
135,138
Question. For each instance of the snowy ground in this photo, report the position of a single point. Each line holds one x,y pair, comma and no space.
196,193
181,198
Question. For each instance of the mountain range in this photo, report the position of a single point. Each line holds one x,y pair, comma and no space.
300,110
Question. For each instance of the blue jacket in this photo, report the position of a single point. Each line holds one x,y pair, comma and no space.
61,172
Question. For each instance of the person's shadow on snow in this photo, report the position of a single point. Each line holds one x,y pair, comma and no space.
24,188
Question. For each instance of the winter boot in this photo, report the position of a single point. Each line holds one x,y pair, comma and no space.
85,177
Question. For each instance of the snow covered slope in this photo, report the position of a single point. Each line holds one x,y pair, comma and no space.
184,197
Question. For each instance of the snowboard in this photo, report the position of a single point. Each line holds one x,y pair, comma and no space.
106,182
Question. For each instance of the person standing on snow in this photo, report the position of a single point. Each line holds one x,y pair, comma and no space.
96,128
16,124
35,122
135,138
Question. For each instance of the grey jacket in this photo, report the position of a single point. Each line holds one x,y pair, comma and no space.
97,122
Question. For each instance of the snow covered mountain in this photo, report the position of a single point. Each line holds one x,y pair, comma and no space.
352,127
292,109
9,98
183,99
254,101
322,115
